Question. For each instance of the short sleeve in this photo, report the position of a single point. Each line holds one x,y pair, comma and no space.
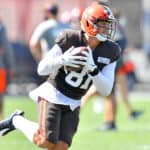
63,40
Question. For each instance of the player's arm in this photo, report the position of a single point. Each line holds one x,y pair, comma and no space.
51,62
104,80
35,42
55,59
35,49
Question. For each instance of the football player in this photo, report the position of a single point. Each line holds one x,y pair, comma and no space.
6,64
59,97
110,102
43,38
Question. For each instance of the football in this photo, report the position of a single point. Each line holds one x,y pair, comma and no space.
80,50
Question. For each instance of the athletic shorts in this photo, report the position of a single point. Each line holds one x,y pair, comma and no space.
58,122
3,81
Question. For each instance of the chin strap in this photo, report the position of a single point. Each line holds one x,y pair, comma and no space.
101,37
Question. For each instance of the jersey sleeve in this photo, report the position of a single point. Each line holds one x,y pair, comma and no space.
62,39
116,50
65,39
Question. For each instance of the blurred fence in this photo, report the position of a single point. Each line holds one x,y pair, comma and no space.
21,16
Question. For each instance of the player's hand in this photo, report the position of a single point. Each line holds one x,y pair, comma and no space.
90,64
72,59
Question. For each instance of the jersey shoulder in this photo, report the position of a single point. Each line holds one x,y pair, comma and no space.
67,34
115,49
68,38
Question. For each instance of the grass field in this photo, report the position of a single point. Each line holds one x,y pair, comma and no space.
131,134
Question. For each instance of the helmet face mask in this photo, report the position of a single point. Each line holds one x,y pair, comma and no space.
98,20
106,29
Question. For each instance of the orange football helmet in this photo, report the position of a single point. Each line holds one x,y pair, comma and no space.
98,20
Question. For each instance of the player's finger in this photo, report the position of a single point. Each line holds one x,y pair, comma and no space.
78,62
86,53
73,65
78,57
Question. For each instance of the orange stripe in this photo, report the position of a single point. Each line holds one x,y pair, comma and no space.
42,122
40,109
44,114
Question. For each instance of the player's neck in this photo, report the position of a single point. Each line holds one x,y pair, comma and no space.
92,42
